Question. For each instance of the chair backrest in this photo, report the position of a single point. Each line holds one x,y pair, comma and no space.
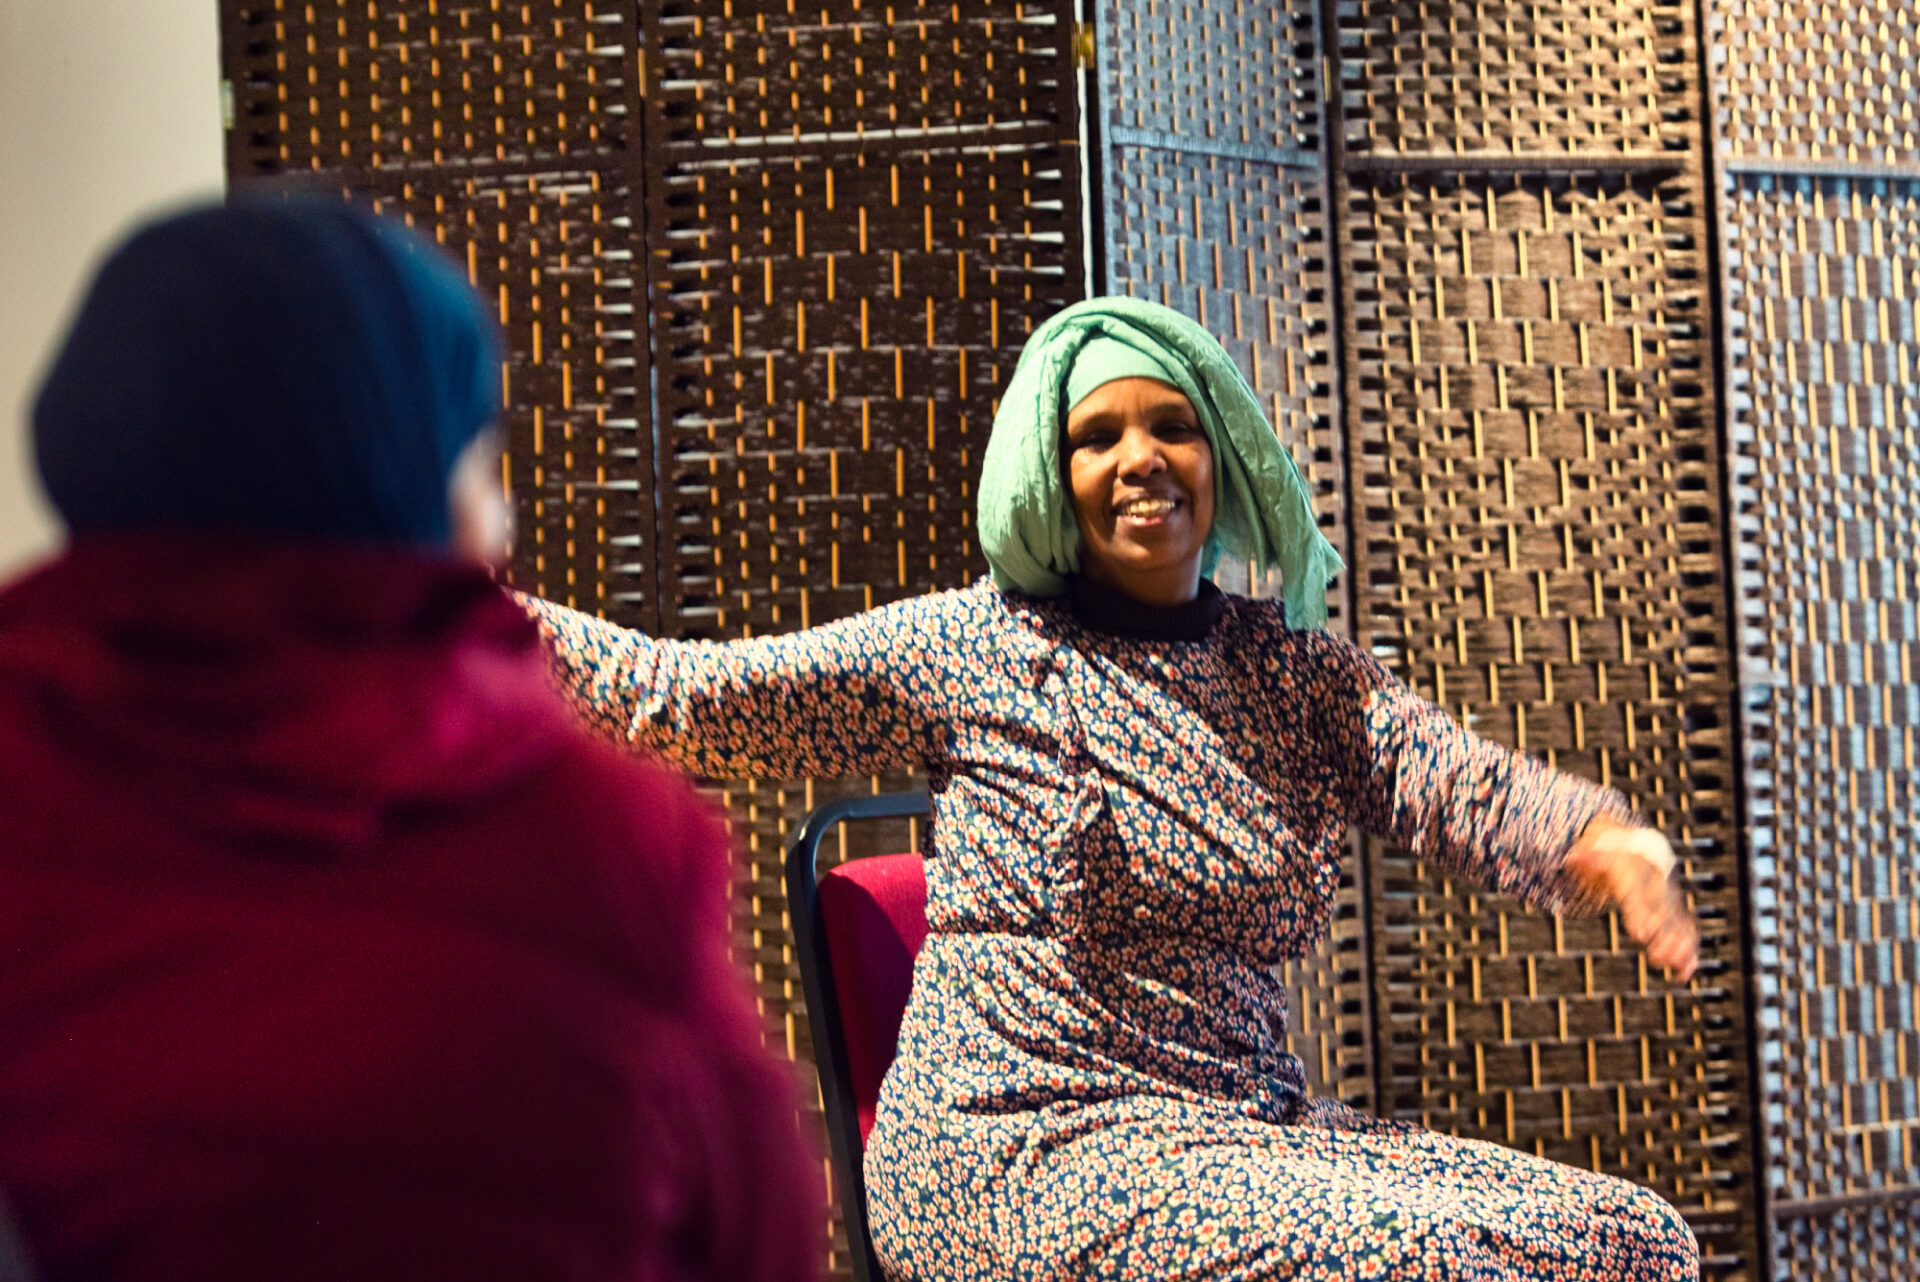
874,914
857,931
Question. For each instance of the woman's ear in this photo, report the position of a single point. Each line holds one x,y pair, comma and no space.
480,518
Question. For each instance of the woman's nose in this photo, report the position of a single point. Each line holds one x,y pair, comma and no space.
1140,453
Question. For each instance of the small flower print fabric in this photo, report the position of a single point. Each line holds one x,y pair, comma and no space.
1128,833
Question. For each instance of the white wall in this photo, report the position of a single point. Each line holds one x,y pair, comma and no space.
108,109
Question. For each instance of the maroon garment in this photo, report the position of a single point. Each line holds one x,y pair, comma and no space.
329,948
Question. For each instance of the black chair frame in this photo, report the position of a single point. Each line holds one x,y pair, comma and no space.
823,1004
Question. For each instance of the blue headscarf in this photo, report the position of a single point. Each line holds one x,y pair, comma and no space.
285,367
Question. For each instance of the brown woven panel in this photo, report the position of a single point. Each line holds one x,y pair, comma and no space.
1862,1244
1213,202
1822,318
835,328
834,322
505,133
1201,106
1536,501
750,74
1240,246
1464,76
552,250
1212,72
1819,81
362,85
837,306
857,214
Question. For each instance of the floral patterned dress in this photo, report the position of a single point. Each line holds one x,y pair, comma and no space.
1137,812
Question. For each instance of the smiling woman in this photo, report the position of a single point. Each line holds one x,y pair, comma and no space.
1090,368
1142,792
1141,473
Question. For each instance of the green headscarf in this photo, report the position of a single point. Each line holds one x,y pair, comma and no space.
1263,512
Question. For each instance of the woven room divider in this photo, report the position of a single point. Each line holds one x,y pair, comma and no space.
1611,408
1536,471
1819,221
1212,167
854,221
1501,245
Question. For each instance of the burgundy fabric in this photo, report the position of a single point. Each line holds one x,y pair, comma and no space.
873,913
329,948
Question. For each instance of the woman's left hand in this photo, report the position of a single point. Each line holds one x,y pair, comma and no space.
1629,868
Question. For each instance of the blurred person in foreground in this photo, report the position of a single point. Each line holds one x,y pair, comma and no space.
329,947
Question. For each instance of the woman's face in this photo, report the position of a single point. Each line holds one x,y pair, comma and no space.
1141,473
482,523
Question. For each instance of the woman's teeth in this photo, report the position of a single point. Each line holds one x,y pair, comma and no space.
1147,507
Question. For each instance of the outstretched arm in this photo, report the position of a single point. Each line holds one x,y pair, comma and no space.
1415,776
832,700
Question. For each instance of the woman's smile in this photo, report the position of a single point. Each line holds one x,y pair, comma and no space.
1146,510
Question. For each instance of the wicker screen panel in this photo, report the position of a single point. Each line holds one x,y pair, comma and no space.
506,132
836,328
1212,201
553,251
1858,1244
1537,495
1240,246
1824,309
1456,76
751,74
1820,81
1225,73
857,214
362,85
819,451
839,299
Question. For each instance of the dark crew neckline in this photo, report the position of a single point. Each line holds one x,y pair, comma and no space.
1111,611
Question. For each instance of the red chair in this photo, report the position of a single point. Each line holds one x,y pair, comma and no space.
857,930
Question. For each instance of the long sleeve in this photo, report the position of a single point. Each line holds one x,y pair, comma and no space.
832,700
1415,776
